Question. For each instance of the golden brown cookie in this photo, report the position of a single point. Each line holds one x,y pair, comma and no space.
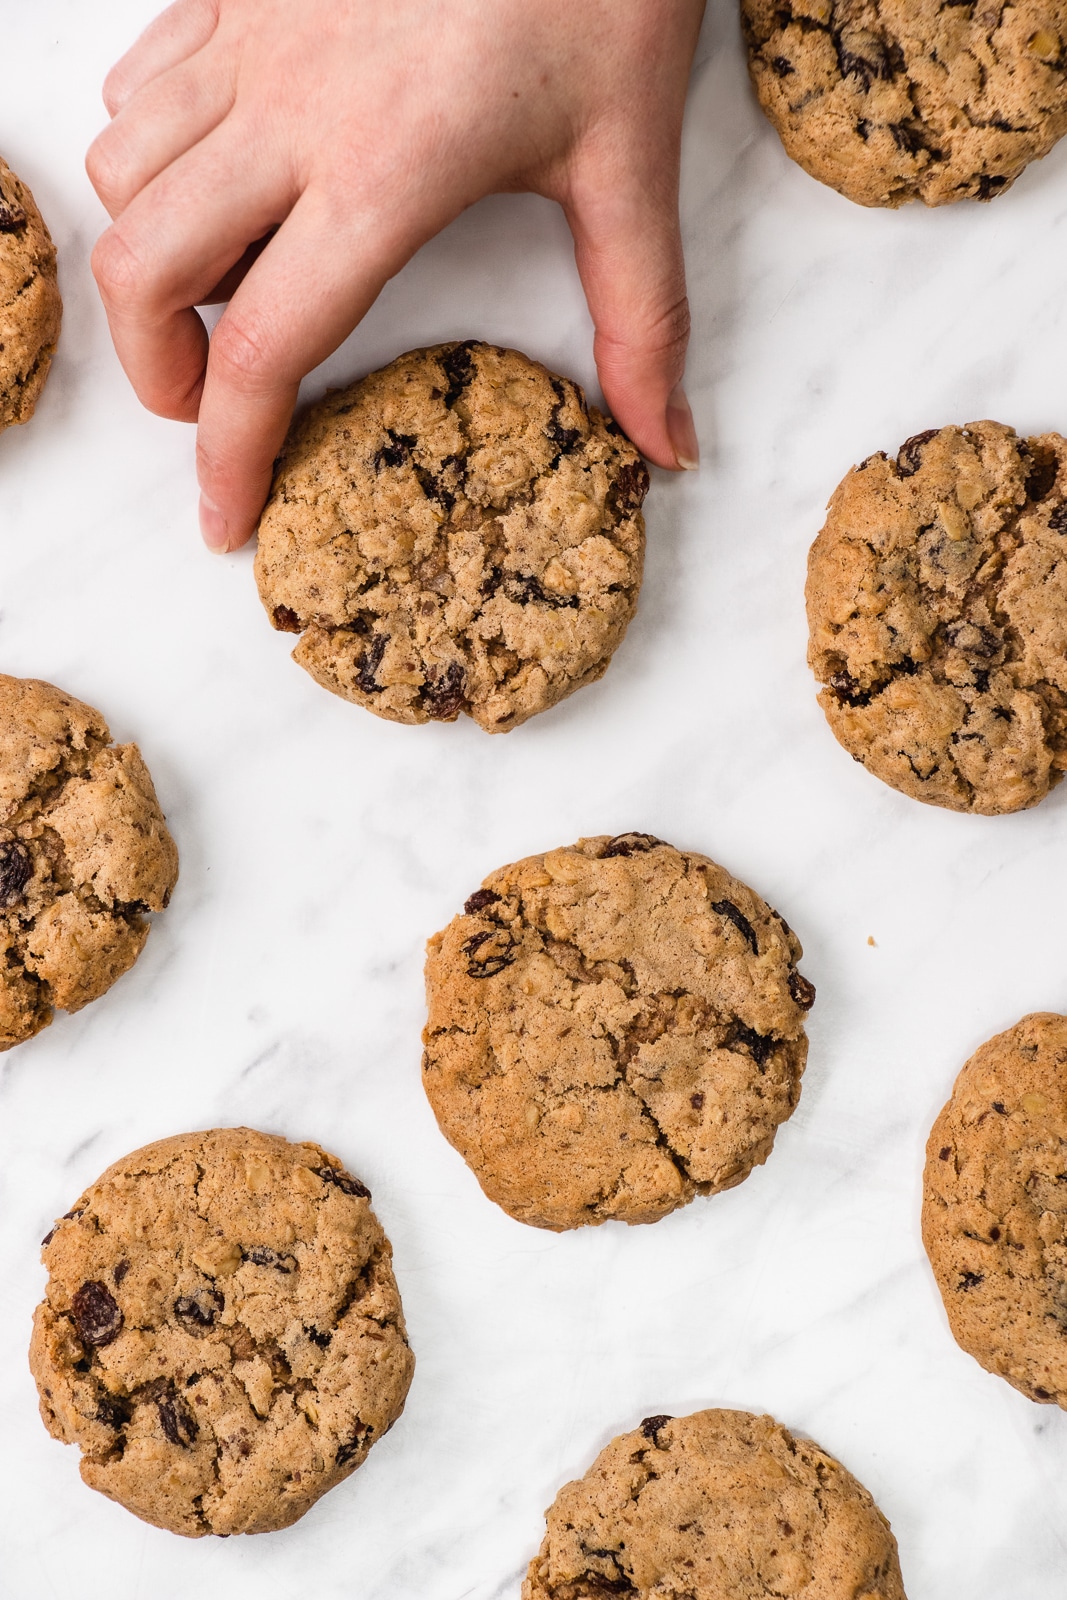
458,532
221,1334
895,100
30,307
613,1028
937,604
995,1206
84,855
720,1505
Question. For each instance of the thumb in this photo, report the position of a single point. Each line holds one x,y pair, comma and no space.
628,248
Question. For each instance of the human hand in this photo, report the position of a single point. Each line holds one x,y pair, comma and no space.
345,134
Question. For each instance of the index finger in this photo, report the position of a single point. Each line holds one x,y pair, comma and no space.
169,249
313,283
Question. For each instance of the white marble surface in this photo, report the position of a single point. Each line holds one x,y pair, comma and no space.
321,846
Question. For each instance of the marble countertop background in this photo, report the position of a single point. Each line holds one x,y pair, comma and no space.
320,847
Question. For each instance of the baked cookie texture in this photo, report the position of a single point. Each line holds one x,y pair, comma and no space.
221,1334
937,604
458,532
30,306
896,100
719,1505
614,1027
994,1215
84,855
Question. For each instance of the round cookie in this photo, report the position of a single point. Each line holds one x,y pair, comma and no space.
895,100
994,1215
84,854
221,1334
30,307
937,603
719,1505
458,532
613,1028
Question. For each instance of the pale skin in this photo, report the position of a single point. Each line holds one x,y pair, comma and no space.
346,133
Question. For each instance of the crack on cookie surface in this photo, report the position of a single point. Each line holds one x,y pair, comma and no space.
932,102
451,547
937,604
605,1040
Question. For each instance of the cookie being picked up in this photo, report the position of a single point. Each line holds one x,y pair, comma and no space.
937,608
459,532
614,1028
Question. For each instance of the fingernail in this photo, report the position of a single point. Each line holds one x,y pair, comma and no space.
682,431
213,526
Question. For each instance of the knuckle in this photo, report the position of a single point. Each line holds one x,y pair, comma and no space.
163,404
114,90
209,466
240,350
105,173
673,326
119,274
172,397
657,331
